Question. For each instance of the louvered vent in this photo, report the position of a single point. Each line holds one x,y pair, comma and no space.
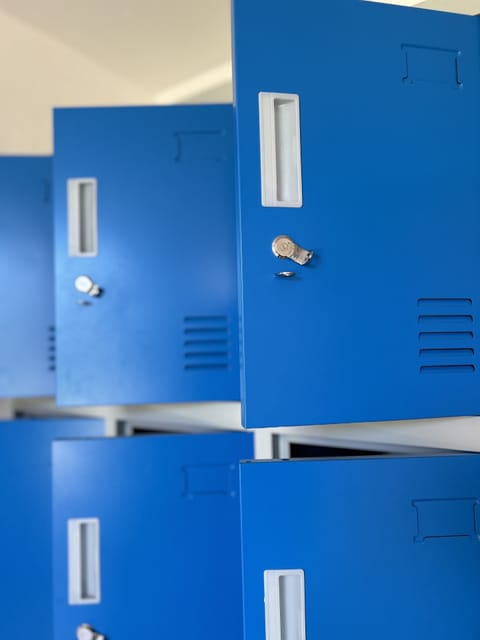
206,342
51,348
446,335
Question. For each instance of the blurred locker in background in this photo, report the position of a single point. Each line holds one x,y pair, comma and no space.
26,588
145,246
27,332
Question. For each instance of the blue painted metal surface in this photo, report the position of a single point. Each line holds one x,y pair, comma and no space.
166,328
26,528
390,547
27,347
383,323
170,534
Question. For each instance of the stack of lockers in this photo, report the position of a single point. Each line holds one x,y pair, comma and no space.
330,278
357,129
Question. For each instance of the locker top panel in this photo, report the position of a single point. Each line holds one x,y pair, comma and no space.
358,141
27,332
145,246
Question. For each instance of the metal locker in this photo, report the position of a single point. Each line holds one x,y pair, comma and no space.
25,526
27,333
147,537
358,160
146,290
361,548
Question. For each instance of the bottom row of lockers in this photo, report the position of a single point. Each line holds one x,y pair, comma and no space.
122,538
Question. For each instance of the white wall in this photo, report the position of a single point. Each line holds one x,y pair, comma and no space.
38,73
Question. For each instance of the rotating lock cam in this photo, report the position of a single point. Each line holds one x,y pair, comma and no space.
84,284
86,632
284,247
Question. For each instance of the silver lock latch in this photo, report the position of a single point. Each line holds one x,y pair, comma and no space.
86,632
284,247
84,284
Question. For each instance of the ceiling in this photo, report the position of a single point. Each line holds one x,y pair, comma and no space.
464,7
156,44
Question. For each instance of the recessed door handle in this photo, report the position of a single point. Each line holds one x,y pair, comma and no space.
285,248
285,605
82,218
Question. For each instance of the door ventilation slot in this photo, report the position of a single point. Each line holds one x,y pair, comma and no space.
432,320
445,337
446,352
448,368
51,349
206,343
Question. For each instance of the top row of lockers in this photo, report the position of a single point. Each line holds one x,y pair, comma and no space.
355,227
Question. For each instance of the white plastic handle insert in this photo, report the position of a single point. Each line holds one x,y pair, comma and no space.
82,218
84,561
280,150
285,605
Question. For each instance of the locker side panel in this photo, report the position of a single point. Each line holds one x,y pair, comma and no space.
26,530
27,332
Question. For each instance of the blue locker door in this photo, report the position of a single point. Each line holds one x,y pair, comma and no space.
149,196
27,334
367,548
25,525
381,323
159,553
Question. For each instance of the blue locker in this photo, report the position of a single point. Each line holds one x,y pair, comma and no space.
361,548
357,132
147,537
27,334
146,278
26,527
